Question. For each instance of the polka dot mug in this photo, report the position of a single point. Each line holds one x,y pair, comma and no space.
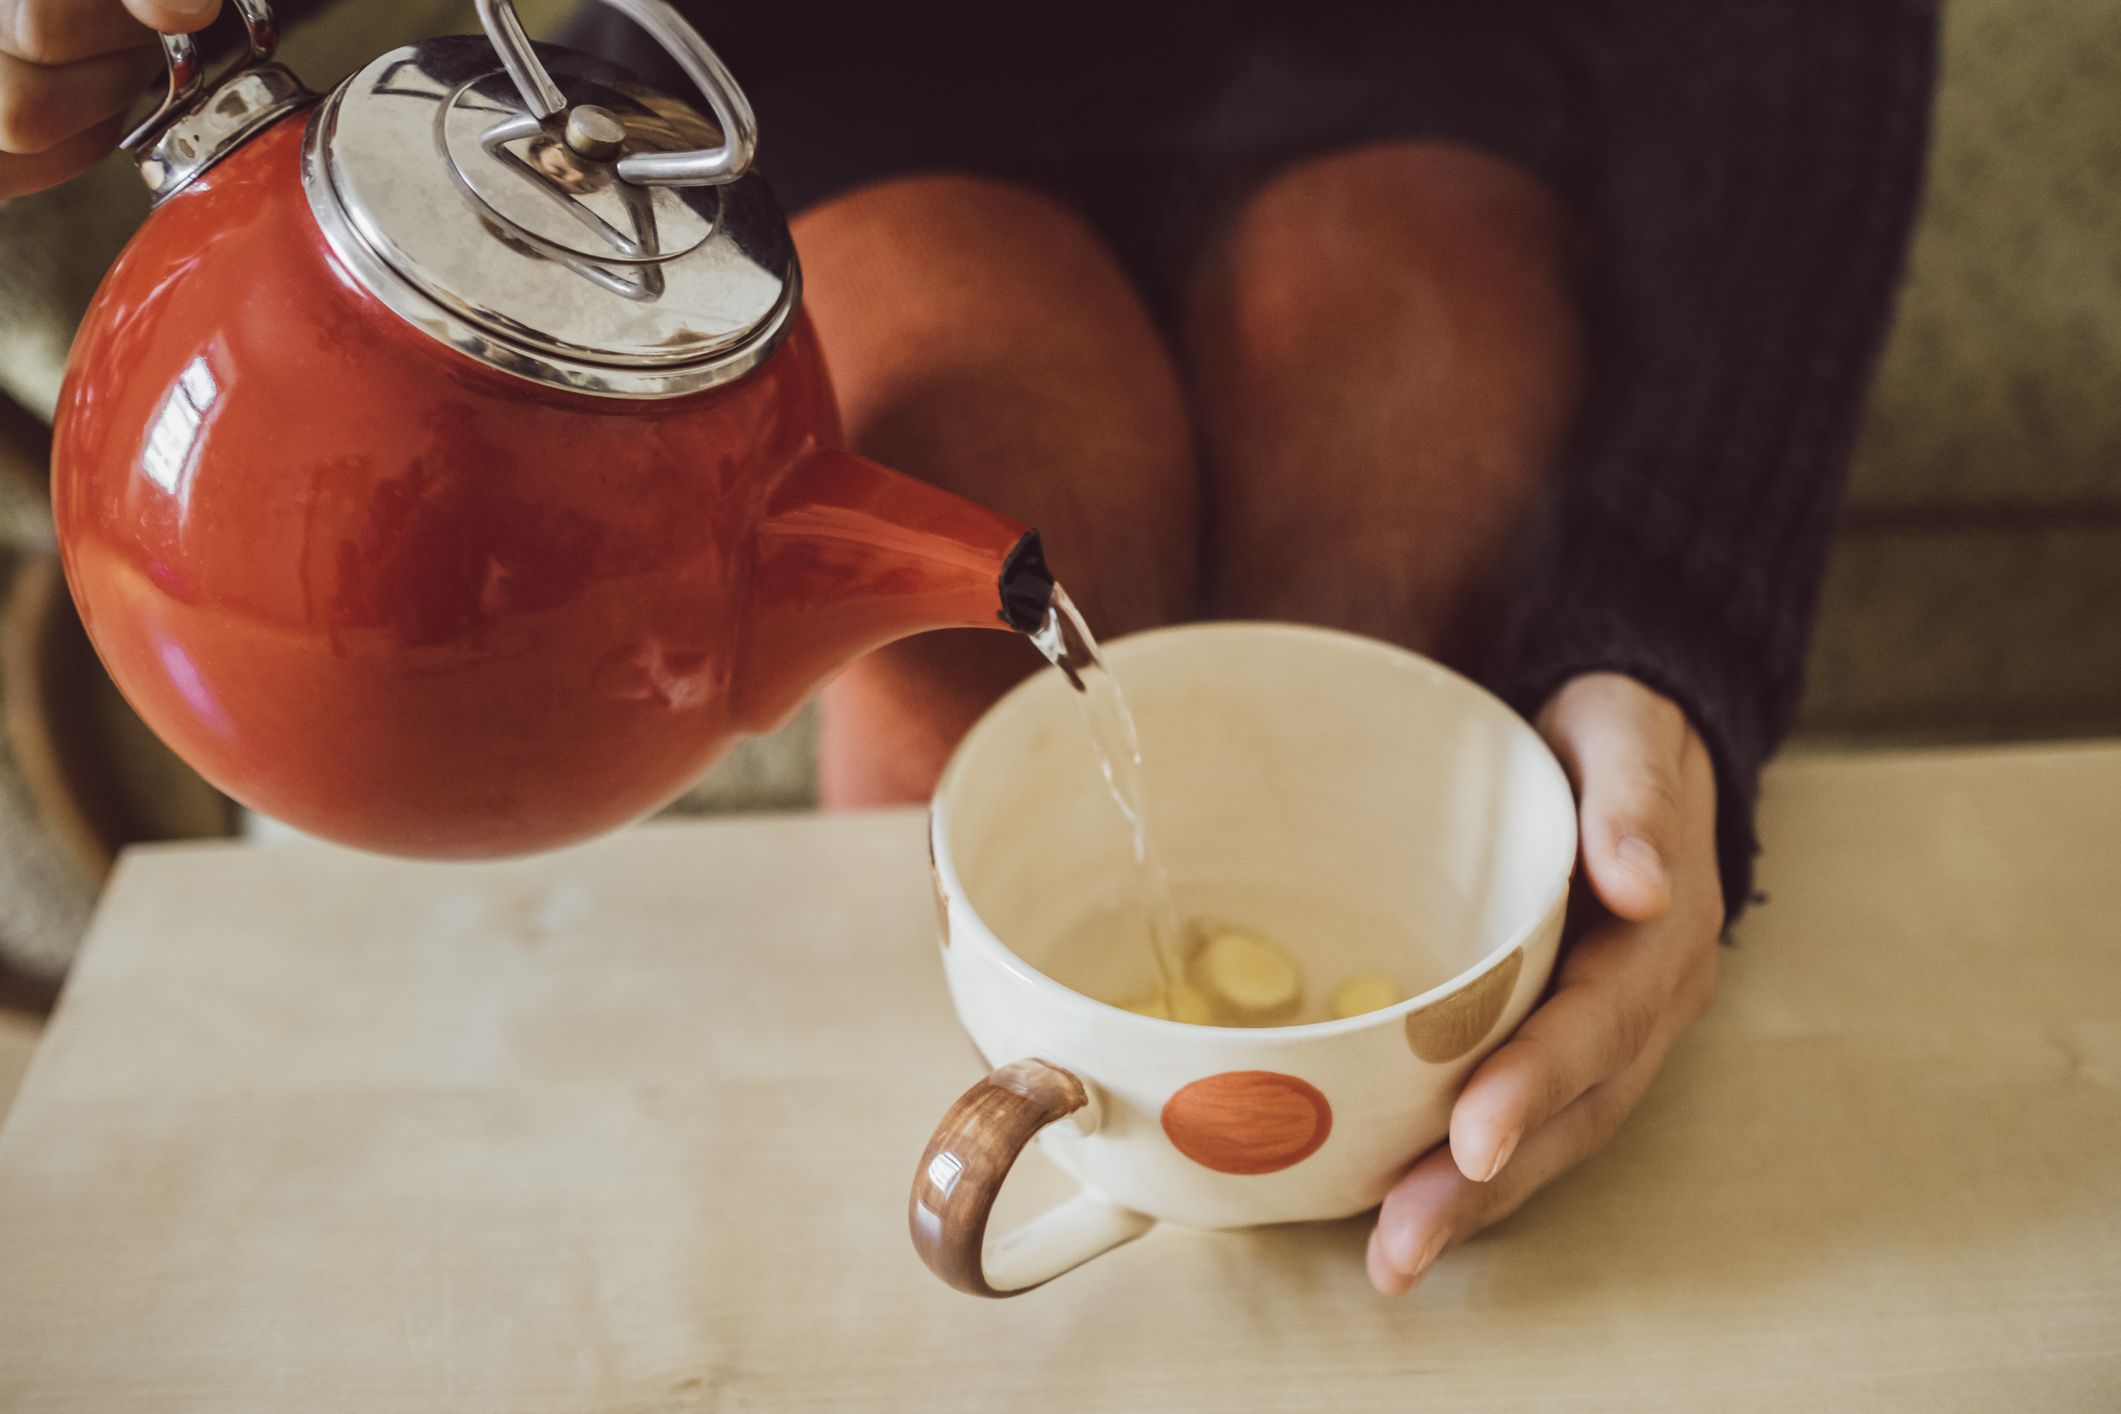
1271,753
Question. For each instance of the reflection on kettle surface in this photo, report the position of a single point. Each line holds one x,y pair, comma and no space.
171,451
551,157
184,677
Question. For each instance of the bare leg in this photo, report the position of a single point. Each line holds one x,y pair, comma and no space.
1386,356
983,338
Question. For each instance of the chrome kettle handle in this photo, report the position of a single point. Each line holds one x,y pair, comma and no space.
187,76
700,167
183,137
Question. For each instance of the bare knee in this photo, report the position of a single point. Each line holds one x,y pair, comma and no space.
1438,247
971,298
1387,354
983,338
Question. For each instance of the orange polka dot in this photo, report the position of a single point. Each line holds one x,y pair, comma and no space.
1248,1121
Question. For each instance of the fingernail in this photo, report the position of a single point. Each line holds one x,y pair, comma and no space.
1429,1254
1400,1253
1642,857
1502,1154
1399,1249
1393,1282
191,9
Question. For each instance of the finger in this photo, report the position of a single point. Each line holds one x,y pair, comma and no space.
42,107
1436,1207
174,16
21,175
1624,747
1612,993
1383,1275
54,32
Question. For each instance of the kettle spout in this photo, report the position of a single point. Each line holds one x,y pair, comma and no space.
853,555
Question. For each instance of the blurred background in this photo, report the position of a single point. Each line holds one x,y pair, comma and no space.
1975,593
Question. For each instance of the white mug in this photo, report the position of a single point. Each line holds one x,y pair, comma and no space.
1272,754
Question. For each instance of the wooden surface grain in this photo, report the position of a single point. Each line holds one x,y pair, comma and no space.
631,1128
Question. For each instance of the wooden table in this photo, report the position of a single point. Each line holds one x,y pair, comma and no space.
630,1129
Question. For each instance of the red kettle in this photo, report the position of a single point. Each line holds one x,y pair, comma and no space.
446,467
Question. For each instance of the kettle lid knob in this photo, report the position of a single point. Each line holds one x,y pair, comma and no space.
541,211
595,133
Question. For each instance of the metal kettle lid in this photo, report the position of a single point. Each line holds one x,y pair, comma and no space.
539,211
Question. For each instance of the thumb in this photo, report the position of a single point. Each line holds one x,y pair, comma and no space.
174,16
1623,746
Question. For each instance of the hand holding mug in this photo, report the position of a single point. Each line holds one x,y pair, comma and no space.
1640,973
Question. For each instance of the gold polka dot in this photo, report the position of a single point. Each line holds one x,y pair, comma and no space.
1446,1029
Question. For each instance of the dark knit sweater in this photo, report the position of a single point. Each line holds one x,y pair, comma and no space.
1758,168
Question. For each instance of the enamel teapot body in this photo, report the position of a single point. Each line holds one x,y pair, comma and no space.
398,567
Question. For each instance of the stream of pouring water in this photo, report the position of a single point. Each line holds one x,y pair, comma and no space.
1067,643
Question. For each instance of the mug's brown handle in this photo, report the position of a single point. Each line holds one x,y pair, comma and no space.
962,1170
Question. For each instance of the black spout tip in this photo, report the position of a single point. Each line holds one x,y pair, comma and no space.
1026,585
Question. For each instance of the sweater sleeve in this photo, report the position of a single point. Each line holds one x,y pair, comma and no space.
1757,173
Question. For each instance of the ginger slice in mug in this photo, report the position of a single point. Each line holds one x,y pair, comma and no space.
1248,979
1363,994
